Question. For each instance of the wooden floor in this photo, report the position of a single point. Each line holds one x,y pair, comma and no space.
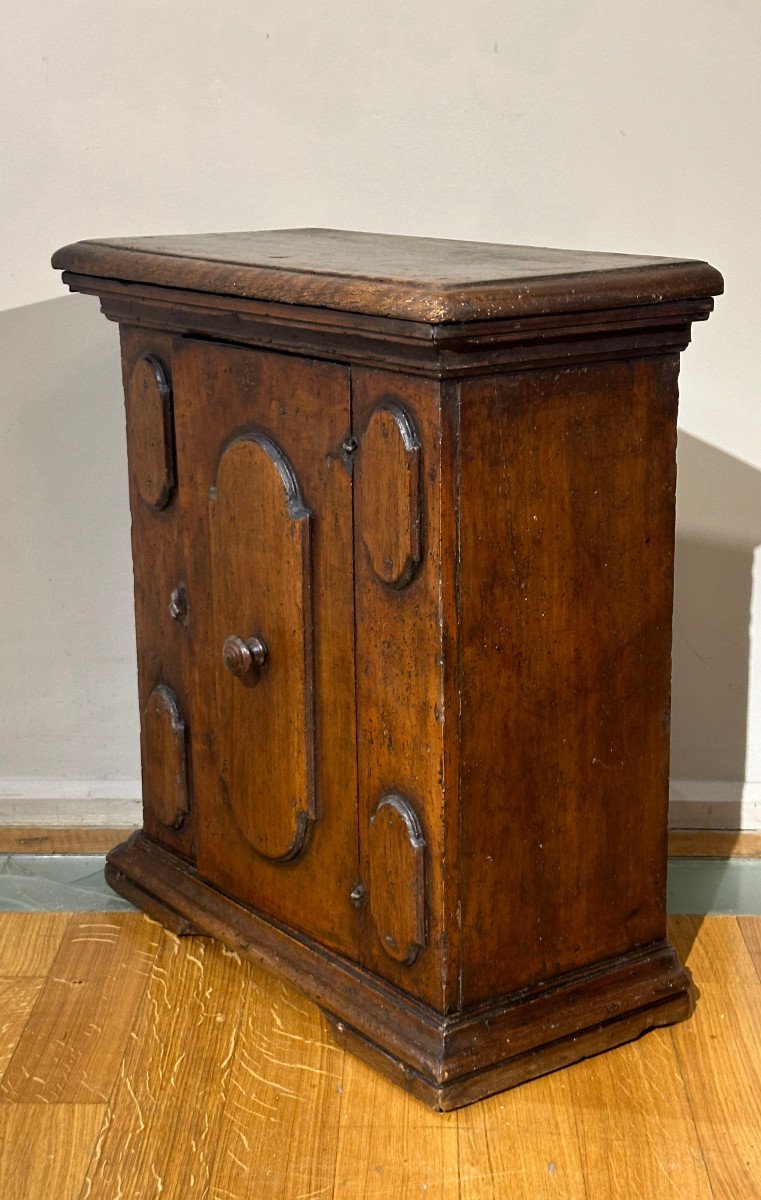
134,1066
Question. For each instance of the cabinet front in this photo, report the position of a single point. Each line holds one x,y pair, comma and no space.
268,706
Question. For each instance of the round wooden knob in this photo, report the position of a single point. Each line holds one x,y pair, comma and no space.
244,659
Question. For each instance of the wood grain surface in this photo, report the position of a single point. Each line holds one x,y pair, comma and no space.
402,716
715,843
565,624
213,1079
306,756
429,279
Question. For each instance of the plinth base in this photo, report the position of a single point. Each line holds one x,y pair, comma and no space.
445,1061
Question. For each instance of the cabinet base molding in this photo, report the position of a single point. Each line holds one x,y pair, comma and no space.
482,1082
445,1060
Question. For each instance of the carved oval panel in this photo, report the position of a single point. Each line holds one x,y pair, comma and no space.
262,591
396,853
149,431
389,477
163,737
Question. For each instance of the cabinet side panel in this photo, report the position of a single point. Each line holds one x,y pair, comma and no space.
566,541
401,618
164,643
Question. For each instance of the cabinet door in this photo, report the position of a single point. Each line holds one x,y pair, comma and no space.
165,644
269,540
405,617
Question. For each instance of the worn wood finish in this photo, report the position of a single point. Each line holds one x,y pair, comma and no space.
166,646
261,566
392,492
424,279
44,1151
401,709
29,942
164,750
458,349
565,611
411,590
148,401
17,999
286,1084
86,1006
275,558
166,1098
396,878
229,1086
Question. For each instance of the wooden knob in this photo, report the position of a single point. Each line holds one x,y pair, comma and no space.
244,659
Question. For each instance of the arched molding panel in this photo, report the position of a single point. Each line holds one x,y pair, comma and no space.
150,431
261,571
164,744
389,475
396,848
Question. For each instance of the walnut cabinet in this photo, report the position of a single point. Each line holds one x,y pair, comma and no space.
403,520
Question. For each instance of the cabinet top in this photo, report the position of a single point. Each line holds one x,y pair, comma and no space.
417,279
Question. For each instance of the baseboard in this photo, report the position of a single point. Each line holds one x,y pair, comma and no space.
113,803
715,804
706,804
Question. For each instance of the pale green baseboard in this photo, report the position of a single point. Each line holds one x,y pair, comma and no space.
75,883
56,883
715,885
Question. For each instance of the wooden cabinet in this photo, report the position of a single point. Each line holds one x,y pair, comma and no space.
403,516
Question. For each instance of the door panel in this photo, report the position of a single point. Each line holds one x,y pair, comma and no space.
269,550
149,430
164,749
392,494
396,863
262,579
166,641
404,616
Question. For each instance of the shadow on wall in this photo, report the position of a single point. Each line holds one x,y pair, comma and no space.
67,658
718,530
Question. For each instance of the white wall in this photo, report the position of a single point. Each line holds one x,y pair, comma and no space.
627,127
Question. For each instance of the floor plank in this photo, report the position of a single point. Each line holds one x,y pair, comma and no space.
523,1144
17,998
44,1150
714,949
165,1117
391,1145
30,941
74,1040
719,1053
635,1124
750,928
280,1119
